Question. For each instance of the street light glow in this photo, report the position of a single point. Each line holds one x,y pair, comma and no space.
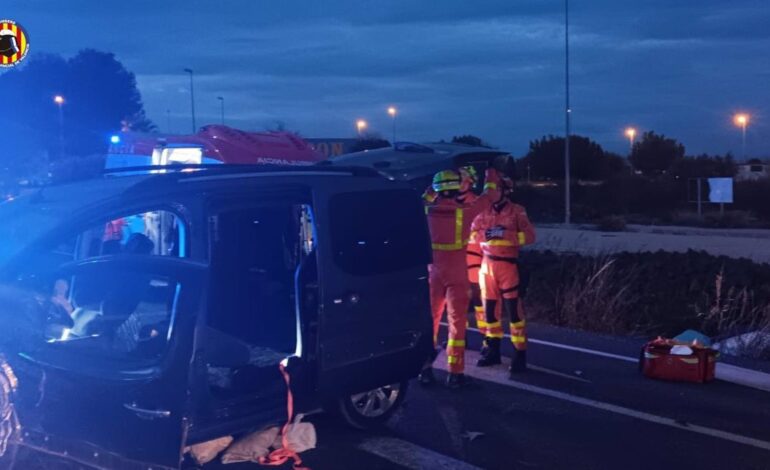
58,99
361,125
631,133
115,139
392,111
741,120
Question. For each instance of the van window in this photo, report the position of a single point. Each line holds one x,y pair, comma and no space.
159,233
107,313
379,231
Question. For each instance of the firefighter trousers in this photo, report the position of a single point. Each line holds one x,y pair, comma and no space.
500,285
450,289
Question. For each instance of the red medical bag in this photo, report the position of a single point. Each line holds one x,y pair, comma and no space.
657,361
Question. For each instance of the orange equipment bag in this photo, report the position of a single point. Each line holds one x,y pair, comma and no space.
657,361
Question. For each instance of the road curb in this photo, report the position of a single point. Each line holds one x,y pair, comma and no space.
746,377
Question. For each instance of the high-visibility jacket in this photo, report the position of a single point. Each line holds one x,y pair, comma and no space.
473,254
449,220
517,230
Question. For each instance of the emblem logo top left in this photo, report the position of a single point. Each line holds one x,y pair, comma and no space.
14,43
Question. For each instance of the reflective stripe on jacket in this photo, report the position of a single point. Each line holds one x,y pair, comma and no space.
518,231
450,220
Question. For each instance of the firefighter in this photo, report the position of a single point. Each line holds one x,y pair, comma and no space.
469,179
449,218
502,230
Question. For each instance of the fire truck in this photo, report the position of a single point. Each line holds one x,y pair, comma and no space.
213,144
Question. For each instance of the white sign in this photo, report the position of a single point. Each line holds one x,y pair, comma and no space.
721,190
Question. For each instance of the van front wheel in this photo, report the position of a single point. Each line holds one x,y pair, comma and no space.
373,408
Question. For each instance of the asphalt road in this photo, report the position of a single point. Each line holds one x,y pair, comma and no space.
572,410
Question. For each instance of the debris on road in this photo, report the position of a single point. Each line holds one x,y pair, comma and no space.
205,452
752,344
472,435
251,447
298,436
692,336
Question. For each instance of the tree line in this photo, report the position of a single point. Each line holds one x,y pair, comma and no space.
100,97
653,155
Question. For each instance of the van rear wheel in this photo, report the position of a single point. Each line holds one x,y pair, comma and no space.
373,408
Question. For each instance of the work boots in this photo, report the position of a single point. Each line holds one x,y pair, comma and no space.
490,353
518,363
426,377
456,381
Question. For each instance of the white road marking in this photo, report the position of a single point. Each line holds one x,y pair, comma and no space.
725,372
557,373
502,379
571,348
410,455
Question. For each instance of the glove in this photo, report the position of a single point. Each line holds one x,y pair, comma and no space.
494,233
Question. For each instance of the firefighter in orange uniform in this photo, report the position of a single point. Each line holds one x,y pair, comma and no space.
502,230
473,253
449,220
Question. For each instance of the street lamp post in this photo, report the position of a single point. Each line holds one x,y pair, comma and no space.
360,127
59,100
631,134
392,111
192,100
568,111
742,121
222,108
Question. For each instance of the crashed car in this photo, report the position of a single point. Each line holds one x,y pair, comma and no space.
142,314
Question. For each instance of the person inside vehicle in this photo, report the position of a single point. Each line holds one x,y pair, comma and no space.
113,236
60,295
116,319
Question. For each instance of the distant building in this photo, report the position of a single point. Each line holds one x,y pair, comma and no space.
753,170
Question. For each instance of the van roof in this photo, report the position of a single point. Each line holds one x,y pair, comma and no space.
43,209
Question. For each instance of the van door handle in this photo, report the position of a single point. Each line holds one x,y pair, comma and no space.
144,413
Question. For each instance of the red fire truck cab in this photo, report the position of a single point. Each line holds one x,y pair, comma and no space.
211,145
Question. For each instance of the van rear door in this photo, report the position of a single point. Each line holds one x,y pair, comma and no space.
375,323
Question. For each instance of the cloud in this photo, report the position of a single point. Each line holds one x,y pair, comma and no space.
494,68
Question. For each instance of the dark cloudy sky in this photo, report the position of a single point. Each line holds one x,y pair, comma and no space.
491,68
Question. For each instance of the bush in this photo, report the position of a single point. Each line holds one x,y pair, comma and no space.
612,223
753,196
687,218
647,293
588,294
735,313
730,219
638,195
